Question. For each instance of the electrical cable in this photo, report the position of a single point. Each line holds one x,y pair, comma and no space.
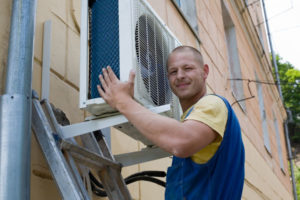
98,189
247,98
145,178
256,81
263,82
278,14
149,173
250,4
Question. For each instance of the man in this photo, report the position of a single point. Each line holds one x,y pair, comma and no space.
208,161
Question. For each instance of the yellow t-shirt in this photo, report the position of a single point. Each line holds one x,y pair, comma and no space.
212,111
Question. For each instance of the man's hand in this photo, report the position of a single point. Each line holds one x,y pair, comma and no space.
114,91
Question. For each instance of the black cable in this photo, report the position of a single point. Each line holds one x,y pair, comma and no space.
145,178
149,173
98,190
94,180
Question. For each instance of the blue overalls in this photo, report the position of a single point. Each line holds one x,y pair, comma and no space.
222,177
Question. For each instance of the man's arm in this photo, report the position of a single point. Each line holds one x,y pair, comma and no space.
181,139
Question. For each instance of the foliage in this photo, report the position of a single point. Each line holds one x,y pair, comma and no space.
297,179
290,86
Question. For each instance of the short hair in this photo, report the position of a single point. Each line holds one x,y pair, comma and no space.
198,56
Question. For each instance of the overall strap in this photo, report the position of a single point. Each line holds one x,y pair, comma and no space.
189,112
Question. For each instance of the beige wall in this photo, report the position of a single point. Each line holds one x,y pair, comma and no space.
4,39
264,179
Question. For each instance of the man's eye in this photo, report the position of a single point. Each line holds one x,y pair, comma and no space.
172,72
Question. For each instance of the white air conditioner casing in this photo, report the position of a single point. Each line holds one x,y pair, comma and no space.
144,42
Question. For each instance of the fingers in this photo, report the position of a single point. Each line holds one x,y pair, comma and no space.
106,76
105,79
131,82
101,92
103,82
131,76
111,74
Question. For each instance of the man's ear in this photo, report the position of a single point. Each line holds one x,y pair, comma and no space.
205,70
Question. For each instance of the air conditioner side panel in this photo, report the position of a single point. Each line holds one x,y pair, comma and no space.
126,28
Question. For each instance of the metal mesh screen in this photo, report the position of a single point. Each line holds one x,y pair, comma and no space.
104,41
153,44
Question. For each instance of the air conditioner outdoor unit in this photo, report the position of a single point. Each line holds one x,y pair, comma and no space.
125,34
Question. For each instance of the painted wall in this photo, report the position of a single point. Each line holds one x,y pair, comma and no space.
264,177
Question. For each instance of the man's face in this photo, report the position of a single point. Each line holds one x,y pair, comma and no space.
186,75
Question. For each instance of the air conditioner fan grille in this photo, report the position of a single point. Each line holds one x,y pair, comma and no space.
153,44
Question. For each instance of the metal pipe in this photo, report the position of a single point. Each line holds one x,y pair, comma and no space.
272,51
15,104
290,157
287,138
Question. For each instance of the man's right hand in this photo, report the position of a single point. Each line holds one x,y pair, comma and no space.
114,91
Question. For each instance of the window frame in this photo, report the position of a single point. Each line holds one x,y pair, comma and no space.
186,20
263,116
278,142
234,64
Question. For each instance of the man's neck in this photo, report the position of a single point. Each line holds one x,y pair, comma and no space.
187,103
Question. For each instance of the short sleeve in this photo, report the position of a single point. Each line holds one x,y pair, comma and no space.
212,111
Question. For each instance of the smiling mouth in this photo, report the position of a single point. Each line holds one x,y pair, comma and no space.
182,85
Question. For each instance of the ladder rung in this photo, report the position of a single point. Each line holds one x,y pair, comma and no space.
89,158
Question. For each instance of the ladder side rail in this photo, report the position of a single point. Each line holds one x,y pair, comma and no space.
77,177
89,141
84,182
55,125
119,182
111,179
104,147
86,179
103,166
51,116
117,178
56,161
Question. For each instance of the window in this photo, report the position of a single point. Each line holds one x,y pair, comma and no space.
233,57
187,8
263,116
278,142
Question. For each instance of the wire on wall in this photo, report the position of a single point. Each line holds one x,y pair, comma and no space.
256,81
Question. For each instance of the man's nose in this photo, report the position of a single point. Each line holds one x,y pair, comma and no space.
180,74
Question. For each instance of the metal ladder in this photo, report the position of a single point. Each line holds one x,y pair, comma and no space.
65,156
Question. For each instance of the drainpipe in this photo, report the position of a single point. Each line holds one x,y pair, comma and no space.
287,138
15,105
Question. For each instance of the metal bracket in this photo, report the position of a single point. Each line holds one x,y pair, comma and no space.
98,124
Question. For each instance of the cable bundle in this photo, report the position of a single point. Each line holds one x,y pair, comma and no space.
98,189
